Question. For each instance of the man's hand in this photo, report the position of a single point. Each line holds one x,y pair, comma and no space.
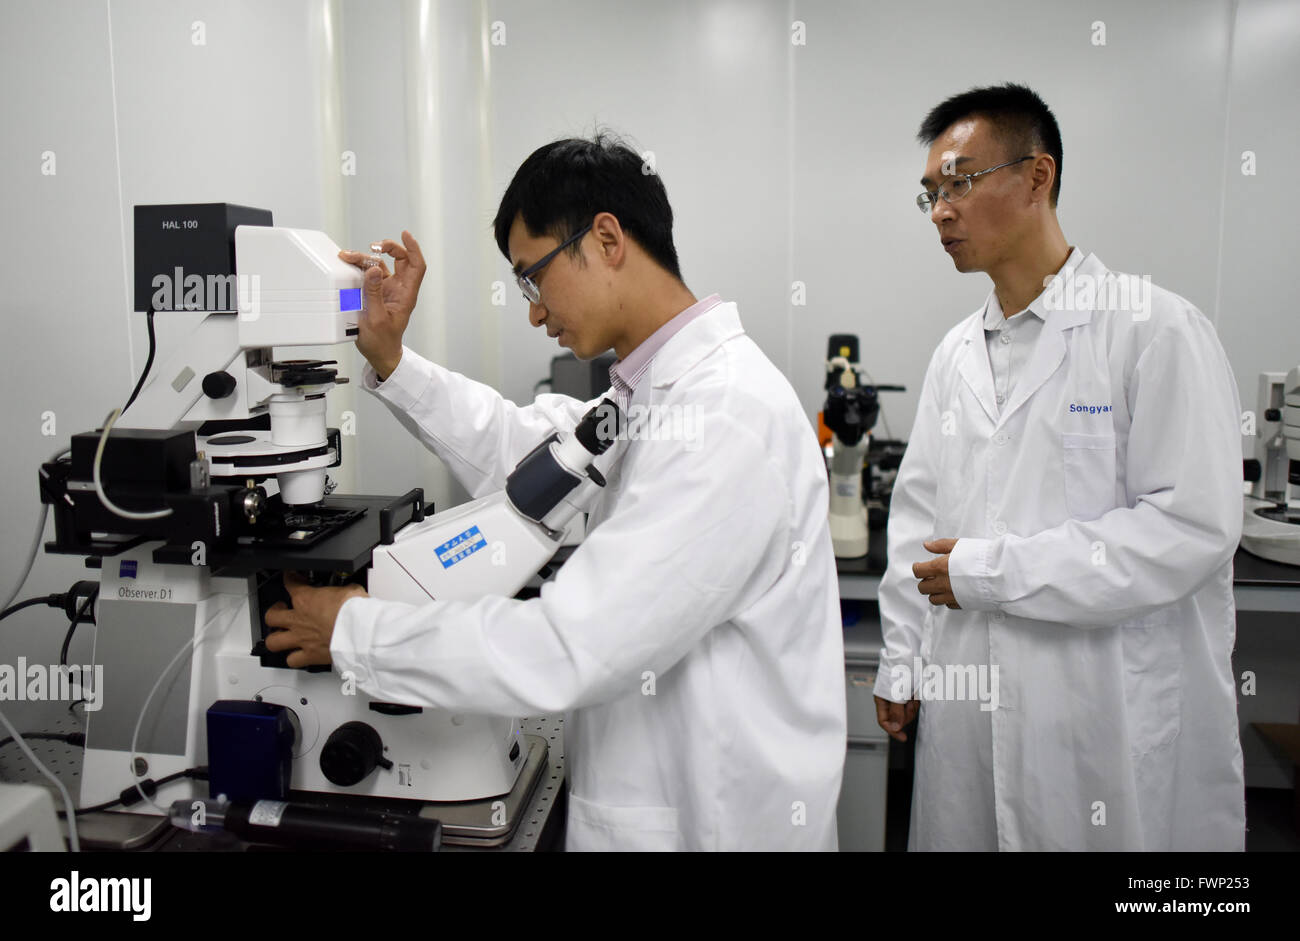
388,299
893,717
308,626
934,574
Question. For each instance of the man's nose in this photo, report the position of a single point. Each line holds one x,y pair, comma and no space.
536,313
941,210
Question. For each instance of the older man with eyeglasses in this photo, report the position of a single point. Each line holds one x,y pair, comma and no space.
1062,527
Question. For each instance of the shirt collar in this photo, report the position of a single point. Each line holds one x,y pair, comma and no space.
628,371
993,315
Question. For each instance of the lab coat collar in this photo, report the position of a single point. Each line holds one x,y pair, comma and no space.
973,365
1049,352
693,342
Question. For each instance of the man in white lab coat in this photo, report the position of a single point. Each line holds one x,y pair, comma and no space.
693,639
1068,508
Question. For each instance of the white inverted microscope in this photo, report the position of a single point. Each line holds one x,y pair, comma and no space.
1271,514
850,413
212,483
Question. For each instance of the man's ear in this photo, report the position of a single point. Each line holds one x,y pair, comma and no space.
611,240
1044,174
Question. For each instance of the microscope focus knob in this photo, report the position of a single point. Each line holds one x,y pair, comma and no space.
352,751
218,385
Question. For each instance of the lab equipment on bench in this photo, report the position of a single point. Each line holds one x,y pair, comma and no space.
194,500
309,827
1271,511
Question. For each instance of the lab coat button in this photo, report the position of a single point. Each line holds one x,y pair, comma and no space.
1000,437
1000,528
999,616
1006,338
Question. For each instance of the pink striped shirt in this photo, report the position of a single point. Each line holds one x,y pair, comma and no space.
626,374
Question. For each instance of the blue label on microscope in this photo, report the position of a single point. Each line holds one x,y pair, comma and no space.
458,547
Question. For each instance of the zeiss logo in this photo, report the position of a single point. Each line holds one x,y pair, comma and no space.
1090,409
127,569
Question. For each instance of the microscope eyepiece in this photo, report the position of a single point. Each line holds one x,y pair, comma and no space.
600,427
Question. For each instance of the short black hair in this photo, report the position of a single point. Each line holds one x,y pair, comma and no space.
563,185
1022,119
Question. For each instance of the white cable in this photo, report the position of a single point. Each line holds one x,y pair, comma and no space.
73,843
31,558
99,487
189,646
36,542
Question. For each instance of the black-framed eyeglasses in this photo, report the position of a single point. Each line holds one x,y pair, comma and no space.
959,186
524,279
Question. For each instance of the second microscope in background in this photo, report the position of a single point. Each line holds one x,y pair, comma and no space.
845,424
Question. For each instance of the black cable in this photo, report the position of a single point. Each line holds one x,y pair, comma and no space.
72,628
148,364
149,786
72,738
52,601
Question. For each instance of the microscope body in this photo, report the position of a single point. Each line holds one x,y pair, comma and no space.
221,463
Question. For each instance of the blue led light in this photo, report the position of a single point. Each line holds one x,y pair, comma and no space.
349,299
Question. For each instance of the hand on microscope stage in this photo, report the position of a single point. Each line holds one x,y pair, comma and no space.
308,626
388,299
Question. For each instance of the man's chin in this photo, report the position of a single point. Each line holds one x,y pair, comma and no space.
584,355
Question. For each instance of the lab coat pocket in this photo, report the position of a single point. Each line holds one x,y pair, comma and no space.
1153,672
1089,474
601,828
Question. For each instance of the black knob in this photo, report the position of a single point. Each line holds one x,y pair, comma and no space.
1272,414
352,751
600,427
218,385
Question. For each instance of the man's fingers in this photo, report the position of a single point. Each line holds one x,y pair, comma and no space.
280,640
930,584
294,583
278,615
889,716
364,260
895,725
414,254
882,710
391,247
923,569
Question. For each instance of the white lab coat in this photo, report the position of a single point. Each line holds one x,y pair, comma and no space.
1094,569
706,575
